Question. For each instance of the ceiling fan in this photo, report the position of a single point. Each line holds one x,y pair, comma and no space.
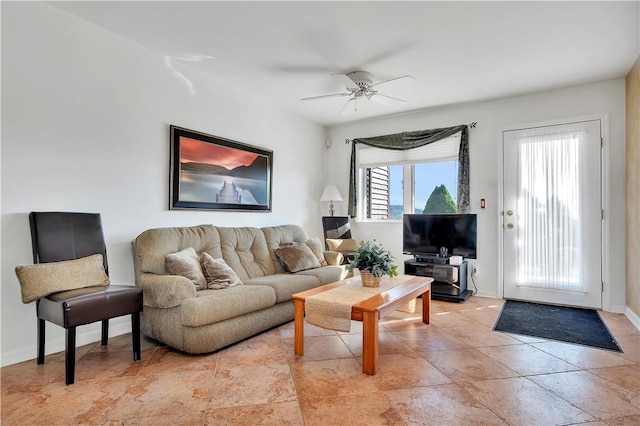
360,87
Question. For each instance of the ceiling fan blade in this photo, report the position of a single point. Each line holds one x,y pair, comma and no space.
346,109
333,95
344,80
387,100
394,79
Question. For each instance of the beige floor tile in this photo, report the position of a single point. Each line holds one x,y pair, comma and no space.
261,381
440,405
520,402
582,356
595,395
318,348
194,418
481,336
252,385
624,421
484,315
527,360
161,395
399,371
330,378
253,352
630,345
627,376
431,338
388,343
371,408
167,360
85,402
467,365
279,413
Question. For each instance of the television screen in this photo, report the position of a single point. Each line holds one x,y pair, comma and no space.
426,234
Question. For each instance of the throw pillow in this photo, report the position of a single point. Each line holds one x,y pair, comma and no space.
217,273
316,247
43,279
186,263
297,257
342,246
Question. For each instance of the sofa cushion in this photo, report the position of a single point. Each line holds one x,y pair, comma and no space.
217,273
327,274
282,235
316,247
152,246
186,263
285,284
347,245
37,281
245,251
212,306
297,257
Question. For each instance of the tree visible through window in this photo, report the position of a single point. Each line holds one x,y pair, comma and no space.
433,187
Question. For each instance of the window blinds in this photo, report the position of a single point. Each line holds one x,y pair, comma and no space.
445,149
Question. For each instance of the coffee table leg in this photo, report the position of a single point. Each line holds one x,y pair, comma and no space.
426,307
298,326
370,343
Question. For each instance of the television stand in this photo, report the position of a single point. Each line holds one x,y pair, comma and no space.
449,281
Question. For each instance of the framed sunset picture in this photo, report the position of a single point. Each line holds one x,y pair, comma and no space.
213,173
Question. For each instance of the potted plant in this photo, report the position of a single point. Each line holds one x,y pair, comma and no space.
373,262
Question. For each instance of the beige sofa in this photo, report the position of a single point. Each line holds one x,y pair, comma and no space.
199,321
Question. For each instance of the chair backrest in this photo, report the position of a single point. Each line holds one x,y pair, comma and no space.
58,236
336,227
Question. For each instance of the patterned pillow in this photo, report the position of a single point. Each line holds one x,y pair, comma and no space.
43,279
186,263
297,257
217,273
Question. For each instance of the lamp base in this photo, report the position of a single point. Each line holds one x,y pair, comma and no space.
331,210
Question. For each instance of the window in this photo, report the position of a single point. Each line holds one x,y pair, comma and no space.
397,182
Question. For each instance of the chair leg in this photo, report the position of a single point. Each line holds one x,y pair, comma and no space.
41,327
105,332
70,355
135,335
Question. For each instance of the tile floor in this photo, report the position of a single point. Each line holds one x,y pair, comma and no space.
455,371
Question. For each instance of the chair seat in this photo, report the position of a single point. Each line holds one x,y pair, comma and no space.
86,305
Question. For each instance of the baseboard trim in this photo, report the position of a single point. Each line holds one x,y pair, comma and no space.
116,328
633,317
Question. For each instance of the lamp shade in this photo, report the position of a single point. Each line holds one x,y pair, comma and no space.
331,193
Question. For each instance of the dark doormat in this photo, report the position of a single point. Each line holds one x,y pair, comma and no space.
572,325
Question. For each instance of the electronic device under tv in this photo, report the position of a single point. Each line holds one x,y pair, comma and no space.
424,235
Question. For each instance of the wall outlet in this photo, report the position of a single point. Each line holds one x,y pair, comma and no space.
474,269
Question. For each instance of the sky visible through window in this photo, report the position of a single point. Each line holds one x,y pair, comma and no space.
428,176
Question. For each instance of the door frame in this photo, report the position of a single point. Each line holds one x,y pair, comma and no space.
604,197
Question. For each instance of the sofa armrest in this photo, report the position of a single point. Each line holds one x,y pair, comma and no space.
333,258
165,291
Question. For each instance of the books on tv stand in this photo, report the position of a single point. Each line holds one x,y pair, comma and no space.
449,281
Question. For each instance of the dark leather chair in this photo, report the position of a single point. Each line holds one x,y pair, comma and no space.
58,236
337,227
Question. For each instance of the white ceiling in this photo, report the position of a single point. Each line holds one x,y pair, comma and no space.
457,51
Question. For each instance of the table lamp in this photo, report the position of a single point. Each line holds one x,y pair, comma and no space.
331,194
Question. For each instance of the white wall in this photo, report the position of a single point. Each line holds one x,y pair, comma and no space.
485,156
85,127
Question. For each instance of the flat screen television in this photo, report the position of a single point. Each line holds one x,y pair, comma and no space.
425,234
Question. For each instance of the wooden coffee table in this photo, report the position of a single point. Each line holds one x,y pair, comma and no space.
369,311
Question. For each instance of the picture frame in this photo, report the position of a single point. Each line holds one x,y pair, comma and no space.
212,173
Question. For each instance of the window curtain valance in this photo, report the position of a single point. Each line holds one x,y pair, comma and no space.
416,139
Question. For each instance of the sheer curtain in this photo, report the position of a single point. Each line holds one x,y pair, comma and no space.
549,211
